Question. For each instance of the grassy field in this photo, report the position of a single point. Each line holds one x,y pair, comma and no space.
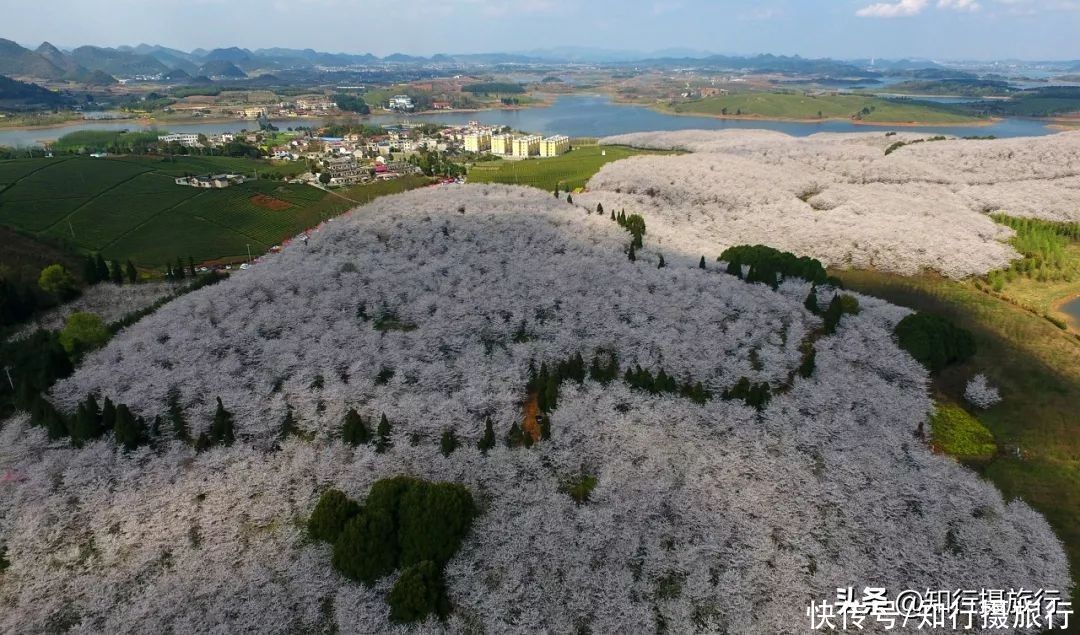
1035,365
569,171
799,106
130,207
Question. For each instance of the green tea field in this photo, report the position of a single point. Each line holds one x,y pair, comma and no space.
131,208
569,171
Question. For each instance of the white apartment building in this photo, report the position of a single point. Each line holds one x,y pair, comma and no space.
184,139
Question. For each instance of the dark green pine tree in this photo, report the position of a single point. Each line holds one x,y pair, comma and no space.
116,273
83,427
487,441
556,190
632,255
221,431
108,415
613,216
90,270
129,431
514,438
570,199
132,274
191,266
806,368
811,301
600,209
353,430
56,425
288,425
735,269
178,270
701,263
545,427
661,264
448,443
102,268
382,434
176,416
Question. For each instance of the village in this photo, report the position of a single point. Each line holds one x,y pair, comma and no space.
361,154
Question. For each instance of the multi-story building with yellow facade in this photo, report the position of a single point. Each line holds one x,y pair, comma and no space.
478,142
554,146
527,146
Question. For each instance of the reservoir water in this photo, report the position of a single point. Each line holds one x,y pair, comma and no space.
1072,309
573,115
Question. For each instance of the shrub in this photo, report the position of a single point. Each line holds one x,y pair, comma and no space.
333,511
934,341
57,281
419,592
581,488
766,264
83,333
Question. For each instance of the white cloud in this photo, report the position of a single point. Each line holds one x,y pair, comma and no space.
902,8
959,5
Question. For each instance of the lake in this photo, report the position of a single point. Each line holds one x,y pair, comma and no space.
572,115
1072,309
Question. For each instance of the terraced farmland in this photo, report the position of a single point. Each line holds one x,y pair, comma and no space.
131,208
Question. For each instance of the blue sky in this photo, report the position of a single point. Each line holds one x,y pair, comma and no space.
937,29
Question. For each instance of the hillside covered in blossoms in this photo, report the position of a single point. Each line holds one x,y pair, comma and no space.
898,202
710,459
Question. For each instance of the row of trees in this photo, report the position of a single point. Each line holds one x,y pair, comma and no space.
769,265
404,523
95,270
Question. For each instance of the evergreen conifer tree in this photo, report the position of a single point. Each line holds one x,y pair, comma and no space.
129,431
570,199
514,438
288,425
132,274
102,268
701,263
448,443
545,427
176,416
221,431
178,270
354,431
811,301
191,266
662,264
600,209
631,254
108,415
116,273
487,441
383,441
90,270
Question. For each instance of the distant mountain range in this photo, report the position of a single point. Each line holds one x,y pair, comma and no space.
16,95
99,65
